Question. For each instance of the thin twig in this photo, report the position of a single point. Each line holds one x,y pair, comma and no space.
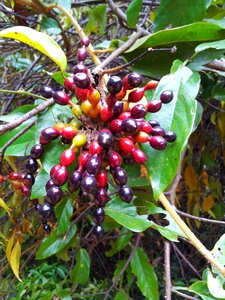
184,295
124,267
6,127
167,270
22,93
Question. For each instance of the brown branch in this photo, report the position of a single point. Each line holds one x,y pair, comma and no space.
167,270
7,127
124,267
184,295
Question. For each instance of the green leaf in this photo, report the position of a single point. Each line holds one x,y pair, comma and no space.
200,288
39,41
97,20
118,269
120,243
60,77
179,116
80,273
215,285
17,113
146,277
65,209
51,26
179,12
219,45
132,12
38,189
172,230
121,296
54,243
126,215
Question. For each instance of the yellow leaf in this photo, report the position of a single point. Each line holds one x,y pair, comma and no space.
15,259
208,203
9,246
3,205
205,178
190,177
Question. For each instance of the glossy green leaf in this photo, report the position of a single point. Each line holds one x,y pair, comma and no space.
65,209
121,296
51,26
132,12
179,116
60,77
17,113
179,12
97,20
39,41
38,189
170,231
219,45
54,243
200,288
126,215
80,273
146,277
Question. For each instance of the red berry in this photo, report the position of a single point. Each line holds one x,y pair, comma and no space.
137,95
106,114
13,176
126,85
152,84
60,176
154,106
138,111
69,132
102,179
81,94
114,159
126,145
95,148
125,115
158,142
115,126
61,97
138,156
142,137
1,179
67,157
25,191
85,41
54,169
146,127
83,159
69,84
82,53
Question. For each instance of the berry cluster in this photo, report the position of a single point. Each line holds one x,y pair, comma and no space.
104,134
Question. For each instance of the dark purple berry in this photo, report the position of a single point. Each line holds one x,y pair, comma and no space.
126,193
61,97
49,134
138,111
118,108
65,141
37,207
31,165
158,142
54,194
105,139
80,68
74,181
129,125
134,80
82,53
158,131
98,231
82,80
101,197
46,91
49,184
93,164
114,85
170,136
120,176
47,228
99,215
166,96
85,41
154,106
46,210
36,151
88,184
28,180
154,123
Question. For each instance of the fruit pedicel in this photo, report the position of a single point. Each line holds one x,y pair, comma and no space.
105,133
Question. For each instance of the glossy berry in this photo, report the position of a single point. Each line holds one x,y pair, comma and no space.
85,41
80,68
121,94
54,169
93,164
67,157
115,126
105,139
114,159
158,142
120,176
31,165
138,111
79,140
129,125
166,96
82,80
1,179
69,132
126,145
88,184
49,184
102,178
82,53
139,156
157,130
47,228
125,115
49,134
98,232
36,151
126,193
74,181
46,210
152,84
46,91
106,114
28,180
13,175
126,85
142,137
137,95
60,176
61,97
101,197
54,195
99,215
93,96
25,191
118,108
146,127
95,148
154,123
114,85
154,106
170,136
134,80
69,84
83,159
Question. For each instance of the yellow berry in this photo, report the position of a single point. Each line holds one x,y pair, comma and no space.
79,140
76,109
